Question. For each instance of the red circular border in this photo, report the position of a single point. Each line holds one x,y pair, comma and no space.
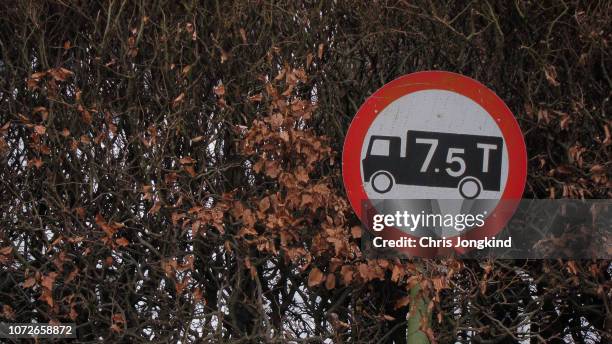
440,80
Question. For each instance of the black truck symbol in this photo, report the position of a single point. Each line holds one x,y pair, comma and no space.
471,163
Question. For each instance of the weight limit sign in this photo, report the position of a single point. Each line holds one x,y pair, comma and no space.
434,143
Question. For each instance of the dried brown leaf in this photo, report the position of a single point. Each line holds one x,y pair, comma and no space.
60,74
243,35
256,98
122,241
178,100
219,90
29,282
39,129
315,277
330,282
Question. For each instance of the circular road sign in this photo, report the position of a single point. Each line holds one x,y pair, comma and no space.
435,135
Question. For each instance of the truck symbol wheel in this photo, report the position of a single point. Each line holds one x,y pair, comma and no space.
382,181
470,187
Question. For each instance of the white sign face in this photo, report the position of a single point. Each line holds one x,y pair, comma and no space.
439,145
432,156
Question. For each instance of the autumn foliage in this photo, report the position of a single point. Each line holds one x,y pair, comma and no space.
169,171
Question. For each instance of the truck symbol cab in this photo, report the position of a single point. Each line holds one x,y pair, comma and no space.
470,163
